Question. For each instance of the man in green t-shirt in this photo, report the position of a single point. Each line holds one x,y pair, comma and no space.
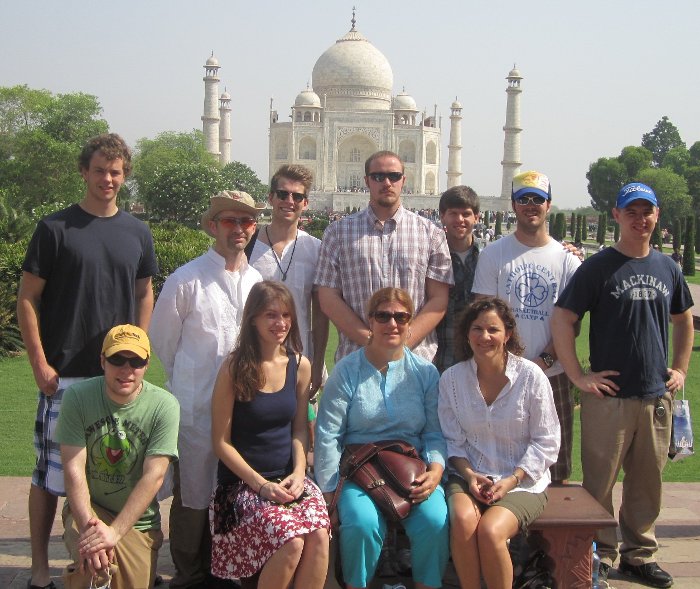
118,434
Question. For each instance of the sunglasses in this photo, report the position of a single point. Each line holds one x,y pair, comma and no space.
232,222
401,317
381,176
526,200
119,360
283,194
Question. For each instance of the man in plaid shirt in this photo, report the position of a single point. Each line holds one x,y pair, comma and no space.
384,245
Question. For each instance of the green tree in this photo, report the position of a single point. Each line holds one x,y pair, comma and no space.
238,176
168,148
634,158
605,178
561,225
671,191
677,160
180,191
662,139
689,248
41,135
656,237
677,234
584,228
572,226
499,221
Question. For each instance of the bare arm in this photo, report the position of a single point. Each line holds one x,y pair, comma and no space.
100,536
319,336
682,347
342,315
564,329
78,494
28,301
432,312
144,302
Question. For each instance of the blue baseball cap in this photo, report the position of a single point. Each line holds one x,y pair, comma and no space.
635,191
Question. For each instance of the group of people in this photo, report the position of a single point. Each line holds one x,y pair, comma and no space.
467,356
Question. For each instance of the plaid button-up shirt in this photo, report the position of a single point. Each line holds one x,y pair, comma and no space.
360,255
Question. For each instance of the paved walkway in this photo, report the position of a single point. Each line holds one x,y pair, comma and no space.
678,531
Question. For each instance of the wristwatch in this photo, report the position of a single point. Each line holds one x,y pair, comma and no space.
547,358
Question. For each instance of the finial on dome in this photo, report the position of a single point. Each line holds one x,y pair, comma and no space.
403,89
353,21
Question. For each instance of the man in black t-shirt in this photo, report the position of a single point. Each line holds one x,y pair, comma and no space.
631,291
87,268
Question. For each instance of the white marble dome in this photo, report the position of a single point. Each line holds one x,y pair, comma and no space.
456,104
353,75
212,61
404,101
307,98
514,73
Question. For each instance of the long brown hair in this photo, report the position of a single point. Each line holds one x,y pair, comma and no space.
245,363
463,351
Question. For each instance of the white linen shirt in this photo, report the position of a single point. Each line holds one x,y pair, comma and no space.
194,327
519,429
300,263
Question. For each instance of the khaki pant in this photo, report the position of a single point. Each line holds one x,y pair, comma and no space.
134,565
627,434
190,540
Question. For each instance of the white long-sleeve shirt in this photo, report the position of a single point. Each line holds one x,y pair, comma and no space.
519,429
194,327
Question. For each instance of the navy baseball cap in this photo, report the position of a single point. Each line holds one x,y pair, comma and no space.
635,191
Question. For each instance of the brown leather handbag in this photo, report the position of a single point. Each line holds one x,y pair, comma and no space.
386,470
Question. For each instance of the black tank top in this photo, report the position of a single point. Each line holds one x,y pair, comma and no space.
261,429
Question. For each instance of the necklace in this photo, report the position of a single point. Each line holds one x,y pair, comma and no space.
277,259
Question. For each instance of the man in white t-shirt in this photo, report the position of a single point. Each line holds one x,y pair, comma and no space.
282,251
529,269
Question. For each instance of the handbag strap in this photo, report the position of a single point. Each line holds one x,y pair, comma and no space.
355,461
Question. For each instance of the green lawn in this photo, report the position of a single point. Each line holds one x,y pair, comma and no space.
19,406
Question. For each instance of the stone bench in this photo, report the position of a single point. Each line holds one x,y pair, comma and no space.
565,531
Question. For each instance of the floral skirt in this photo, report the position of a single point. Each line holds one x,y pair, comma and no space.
247,529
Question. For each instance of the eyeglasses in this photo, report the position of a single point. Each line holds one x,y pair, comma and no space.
119,360
381,176
283,194
526,200
231,222
401,317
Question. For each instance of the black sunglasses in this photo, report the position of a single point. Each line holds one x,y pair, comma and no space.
231,222
401,317
119,360
526,200
381,176
283,194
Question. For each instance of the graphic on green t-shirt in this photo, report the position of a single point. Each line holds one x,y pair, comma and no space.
112,455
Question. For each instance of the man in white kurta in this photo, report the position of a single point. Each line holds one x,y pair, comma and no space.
194,327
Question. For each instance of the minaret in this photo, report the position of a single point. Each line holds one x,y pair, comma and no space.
454,161
511,145
225,128
210,118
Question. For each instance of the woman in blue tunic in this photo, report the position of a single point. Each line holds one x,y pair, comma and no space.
382,392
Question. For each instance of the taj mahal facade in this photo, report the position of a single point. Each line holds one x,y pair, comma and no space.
350,112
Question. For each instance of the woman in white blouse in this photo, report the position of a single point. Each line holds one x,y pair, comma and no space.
498,417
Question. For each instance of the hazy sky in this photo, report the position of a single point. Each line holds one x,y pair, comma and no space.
597,74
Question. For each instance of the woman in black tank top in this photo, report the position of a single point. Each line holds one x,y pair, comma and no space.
267,518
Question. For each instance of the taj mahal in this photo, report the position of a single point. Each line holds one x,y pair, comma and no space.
350,112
